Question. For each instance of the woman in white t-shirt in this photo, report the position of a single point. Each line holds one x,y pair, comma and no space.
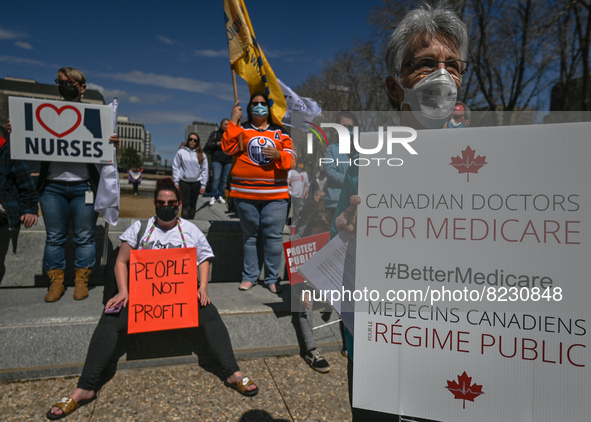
164,231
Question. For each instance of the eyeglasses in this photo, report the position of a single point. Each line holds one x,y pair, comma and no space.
171,203
192,139
68,82
255,103
430,65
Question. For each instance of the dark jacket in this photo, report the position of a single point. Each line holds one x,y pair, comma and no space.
17,191
215,150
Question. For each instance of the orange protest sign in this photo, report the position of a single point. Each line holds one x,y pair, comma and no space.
162,290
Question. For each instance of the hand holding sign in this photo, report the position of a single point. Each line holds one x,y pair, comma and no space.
347,220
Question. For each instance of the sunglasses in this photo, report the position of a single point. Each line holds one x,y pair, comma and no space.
172,203
192,139
68,82
256,103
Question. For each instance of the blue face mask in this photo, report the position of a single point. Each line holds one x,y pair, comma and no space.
260,110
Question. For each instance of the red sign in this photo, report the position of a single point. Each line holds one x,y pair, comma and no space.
299,251
162,289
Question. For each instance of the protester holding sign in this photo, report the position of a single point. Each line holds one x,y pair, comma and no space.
165,231
190,173
264,153
425,60
67,193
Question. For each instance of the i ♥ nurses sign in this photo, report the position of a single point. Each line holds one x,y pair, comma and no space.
44,130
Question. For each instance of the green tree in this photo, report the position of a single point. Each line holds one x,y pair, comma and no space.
129,158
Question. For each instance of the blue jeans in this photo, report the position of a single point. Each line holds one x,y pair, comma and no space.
264,219
220,176
62,203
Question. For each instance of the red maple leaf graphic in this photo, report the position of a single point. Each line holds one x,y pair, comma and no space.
462,389
467,163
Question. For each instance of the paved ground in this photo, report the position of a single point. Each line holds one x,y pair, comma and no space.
289,391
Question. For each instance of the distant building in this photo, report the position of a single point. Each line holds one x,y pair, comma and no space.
150,149
131,134
202,129
16,87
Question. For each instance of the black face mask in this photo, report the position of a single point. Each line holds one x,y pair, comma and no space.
167,213
69,92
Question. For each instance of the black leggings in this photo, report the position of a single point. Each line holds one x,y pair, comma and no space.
189,195
112,328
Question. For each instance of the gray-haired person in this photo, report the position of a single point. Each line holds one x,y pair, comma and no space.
425,59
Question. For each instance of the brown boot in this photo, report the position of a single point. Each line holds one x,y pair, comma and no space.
56,288
81,283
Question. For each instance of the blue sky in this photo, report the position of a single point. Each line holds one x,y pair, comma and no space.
167,62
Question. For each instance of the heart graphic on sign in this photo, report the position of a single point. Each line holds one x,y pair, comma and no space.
59,112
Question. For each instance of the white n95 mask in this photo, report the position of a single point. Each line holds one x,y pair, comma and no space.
432,99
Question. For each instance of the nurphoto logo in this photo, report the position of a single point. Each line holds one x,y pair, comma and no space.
388,136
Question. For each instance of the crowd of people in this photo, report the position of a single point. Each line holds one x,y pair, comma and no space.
425,60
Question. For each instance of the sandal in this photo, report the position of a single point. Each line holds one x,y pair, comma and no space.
242,385
67,405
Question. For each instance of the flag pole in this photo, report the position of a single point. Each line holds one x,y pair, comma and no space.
236,100
234,84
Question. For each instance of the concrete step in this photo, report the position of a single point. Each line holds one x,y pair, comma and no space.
24,267
42,339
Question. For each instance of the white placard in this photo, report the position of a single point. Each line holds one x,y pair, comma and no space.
44,130
477,212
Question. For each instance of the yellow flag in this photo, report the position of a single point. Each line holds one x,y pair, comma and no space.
247,58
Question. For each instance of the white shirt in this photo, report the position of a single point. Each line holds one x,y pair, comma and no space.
186,167
171,238
298,181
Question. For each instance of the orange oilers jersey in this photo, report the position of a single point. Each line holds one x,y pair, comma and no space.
255,176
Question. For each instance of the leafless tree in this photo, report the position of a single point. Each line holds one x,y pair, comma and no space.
518,49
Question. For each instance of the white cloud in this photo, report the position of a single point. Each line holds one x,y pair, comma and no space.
219,90
25,45
211,53
164,40
109,94
6,34
21,61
